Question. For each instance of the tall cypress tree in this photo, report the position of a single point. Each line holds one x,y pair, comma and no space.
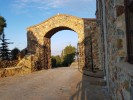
4,51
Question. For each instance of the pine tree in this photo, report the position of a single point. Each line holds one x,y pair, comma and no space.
4,51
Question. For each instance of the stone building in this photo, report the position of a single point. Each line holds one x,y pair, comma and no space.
115,24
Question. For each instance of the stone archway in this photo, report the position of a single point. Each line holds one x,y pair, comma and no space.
39,36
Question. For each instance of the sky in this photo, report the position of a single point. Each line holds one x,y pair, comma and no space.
20,14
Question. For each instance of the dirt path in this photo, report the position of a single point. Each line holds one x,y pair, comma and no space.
54,84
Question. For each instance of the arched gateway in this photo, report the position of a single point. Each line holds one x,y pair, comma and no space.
39,37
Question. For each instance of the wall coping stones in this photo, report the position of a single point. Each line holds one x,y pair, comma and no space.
52,18
19,70
13,67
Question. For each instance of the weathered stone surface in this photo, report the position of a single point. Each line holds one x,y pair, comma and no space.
39,38
118,77
23,67
14,71
120,32
119,43
7,64
126,85
119,10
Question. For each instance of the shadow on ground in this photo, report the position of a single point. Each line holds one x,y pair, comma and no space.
91,88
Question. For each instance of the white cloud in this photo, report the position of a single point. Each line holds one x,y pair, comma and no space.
79,5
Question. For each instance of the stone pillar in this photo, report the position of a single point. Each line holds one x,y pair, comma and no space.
32,42
41,52
47,53
88,52
81,56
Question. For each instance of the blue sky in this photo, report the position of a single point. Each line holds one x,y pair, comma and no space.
20,14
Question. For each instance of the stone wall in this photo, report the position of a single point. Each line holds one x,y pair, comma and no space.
38,34
57,23
24,66
119,71
39,37
21,70
7,64
122,81
91,43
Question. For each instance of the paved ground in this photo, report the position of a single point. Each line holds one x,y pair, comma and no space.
54,84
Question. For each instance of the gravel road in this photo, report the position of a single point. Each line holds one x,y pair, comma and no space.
64,83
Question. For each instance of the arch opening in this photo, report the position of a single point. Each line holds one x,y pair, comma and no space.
60,57
53,31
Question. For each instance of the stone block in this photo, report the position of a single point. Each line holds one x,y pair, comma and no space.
126,85
119,43
120,10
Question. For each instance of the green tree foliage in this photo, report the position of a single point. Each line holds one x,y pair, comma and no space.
56,61
2,25
15,52
69,49
68,55
4,51
53,61
23,53
68,59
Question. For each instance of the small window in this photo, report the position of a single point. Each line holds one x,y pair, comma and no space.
129,24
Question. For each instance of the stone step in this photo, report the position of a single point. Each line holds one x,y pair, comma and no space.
101,82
